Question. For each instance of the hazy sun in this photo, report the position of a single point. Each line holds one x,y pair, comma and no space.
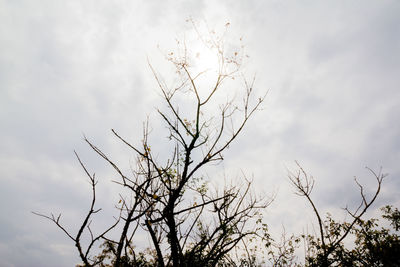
205,59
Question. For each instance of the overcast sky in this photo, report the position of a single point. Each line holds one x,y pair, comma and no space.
69,68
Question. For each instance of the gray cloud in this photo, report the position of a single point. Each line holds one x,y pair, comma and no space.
68,68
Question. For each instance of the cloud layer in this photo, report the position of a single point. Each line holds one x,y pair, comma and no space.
69,68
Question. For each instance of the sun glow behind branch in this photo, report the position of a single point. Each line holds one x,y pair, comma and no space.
205,59
213,58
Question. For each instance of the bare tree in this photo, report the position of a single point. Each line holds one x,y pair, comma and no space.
187,223
331,235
